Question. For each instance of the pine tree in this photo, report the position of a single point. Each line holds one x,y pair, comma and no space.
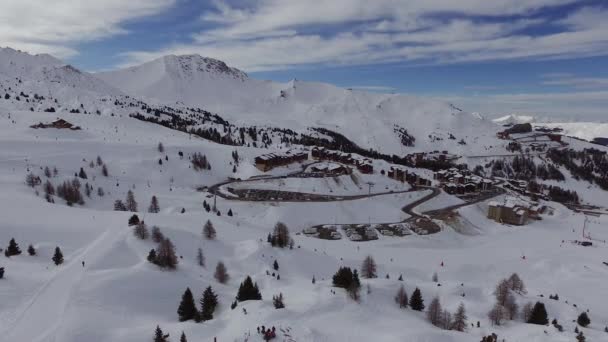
435,277
401,297
159,336
49,189
434,312
187,309
130,201
400,277
416,301
104,171
141,231
152,256
502,292
119,206
58,256
276,265
157,235
313,279
221,275
99,161
539,314
516,284
280,236
166,257
277,301
82,174
460,319
368,268
209,231
208,304
248,291
230,212
47,172
200,258
1,272
153,208
183,338
31,250
133,220
583,320
160,147
233,305
12,249
580,337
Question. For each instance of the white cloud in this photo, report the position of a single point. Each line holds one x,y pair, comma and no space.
54,27
573,81
279,34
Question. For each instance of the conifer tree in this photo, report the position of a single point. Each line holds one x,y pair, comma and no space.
157,235
401,297
104,171
119,206
460,318
153,208
497,314
58,256
82,174
583,320
31,250
277,301
152,256
434,312
12,249
539,314
141,231
133,220
166,257
221,275
416,301
130,202
368,268
209,231
160,336
435,277
280,236
248,291
183,338
276,265
230,212
187,309
209,303
200,258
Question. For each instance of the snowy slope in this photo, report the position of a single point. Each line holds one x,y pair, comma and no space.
368,119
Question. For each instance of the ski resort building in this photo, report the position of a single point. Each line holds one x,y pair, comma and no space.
269,161
514,211
364,165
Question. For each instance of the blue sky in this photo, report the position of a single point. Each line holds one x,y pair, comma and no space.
541,57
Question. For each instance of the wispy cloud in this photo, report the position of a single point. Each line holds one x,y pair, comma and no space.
57,26
574,81
278,34
377,89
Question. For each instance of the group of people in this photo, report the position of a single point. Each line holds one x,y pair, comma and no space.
267,333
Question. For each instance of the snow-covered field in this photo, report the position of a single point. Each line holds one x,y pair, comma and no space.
118,296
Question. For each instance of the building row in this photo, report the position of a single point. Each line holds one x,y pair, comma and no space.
403,175
460,182
364,165
269,161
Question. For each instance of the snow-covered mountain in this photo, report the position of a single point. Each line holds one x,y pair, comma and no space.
369,119
513,119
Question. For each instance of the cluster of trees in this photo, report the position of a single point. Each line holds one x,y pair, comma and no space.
506,306
187,309
280,236
558,194
200,162
70,192
13,249
349,280
443,319
590,164
164,255
130,203
248,290
524,168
